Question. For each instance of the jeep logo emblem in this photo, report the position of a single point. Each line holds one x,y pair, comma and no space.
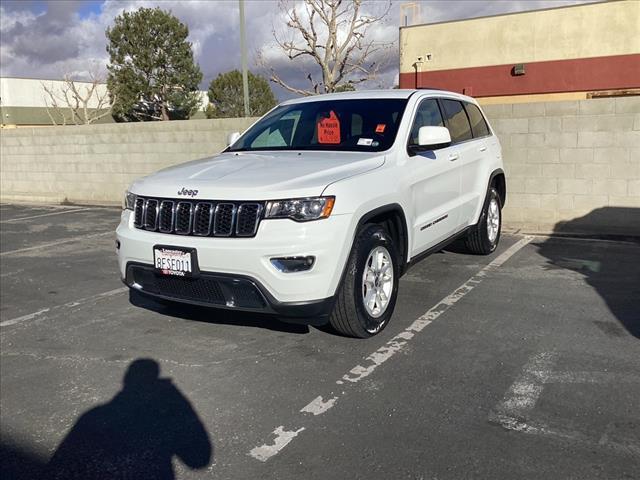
187,192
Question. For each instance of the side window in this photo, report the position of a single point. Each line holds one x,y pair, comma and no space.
478,123
457,120
428,115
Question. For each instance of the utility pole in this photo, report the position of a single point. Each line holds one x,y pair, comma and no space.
243,53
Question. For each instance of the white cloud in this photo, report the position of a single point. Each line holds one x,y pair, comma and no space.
60,41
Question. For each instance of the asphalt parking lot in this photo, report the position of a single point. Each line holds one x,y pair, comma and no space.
524,364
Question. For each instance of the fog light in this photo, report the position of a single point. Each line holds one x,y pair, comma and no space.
293,264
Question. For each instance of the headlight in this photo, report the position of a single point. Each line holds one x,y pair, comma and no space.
300,209
129,201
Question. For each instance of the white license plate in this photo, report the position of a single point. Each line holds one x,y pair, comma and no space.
174,261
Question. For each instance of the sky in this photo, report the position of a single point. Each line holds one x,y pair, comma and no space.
49,39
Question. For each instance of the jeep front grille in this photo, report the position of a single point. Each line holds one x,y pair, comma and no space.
201,218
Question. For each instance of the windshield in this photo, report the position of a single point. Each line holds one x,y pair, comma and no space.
368,125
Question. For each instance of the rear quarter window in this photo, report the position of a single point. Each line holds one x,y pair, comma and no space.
457,121
479,126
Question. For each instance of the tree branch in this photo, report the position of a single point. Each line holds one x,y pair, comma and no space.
77,99
276,79
332,33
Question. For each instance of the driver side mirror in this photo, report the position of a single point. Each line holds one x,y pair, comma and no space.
232,137
431,138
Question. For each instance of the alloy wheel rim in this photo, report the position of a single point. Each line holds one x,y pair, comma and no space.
493,220
377,282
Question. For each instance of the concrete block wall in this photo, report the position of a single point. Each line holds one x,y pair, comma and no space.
571,166
94,164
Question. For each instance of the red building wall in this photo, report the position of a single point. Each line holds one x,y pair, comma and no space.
574,75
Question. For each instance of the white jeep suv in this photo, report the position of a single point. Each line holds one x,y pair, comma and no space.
316,211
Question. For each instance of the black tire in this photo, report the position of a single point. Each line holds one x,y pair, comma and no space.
478,241
350,316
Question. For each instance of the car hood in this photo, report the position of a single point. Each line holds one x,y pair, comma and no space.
257,176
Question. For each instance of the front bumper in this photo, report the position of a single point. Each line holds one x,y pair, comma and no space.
249,259
222,291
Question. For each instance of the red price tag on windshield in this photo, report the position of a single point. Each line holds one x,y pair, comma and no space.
329,129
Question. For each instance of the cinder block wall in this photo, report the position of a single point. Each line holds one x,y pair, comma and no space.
571,166
94,164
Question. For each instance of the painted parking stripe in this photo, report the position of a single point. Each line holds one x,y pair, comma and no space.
398,342
516,409
318,406
53,244
19,219
527,388
76,303
282,439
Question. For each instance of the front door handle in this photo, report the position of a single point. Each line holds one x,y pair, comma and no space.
453,157
483,148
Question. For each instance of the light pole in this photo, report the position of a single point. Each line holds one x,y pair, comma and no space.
243,54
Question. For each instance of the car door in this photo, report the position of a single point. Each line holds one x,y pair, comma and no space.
467,159
475,163
434,180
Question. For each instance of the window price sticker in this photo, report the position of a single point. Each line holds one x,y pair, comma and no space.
329,129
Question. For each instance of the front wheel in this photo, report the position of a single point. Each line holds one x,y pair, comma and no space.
485,235
367,295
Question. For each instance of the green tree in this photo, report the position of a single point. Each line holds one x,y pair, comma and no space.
152,73
226,96
345,87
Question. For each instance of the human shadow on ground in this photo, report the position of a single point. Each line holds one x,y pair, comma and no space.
18,461
135,435
612,268
215,315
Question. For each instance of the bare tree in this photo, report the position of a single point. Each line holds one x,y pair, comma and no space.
335,35
78,103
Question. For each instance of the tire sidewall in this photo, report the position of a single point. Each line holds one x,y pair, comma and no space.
490,246
374,236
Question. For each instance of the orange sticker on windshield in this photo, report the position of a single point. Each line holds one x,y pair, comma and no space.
329,129
380,128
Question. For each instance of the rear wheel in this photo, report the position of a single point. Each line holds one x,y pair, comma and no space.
367,296
485,235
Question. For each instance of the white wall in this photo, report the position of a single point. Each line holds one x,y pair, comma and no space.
28,92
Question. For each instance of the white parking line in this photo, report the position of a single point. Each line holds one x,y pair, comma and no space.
19,219
75,303
525,391
283,438
318,407
9,274
53,244
29,316
398,342
516,410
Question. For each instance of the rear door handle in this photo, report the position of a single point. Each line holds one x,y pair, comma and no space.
483,148
453,157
